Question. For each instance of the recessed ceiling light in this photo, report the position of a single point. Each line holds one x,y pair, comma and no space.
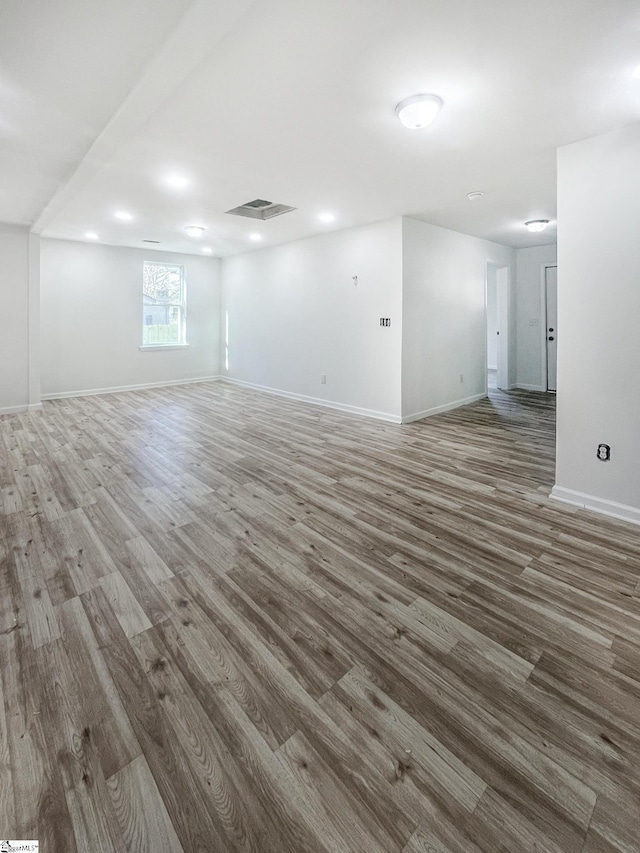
178,182
418,111
326,217
91,235
536,225
195,230
475,195
636,73
207,250
123,216
255,237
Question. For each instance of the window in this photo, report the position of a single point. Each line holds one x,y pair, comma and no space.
164,297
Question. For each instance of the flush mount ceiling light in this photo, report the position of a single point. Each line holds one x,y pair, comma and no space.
207,250
91,235
326,217
418,111
178,182
536,225
475,196
255,237
123,215
194,230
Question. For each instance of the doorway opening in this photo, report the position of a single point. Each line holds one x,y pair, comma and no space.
497,325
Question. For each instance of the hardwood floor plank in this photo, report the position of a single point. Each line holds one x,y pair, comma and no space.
144,822
39,612
353,823
320,649
7,807
430,840
231,621
68,724
104,517
615,827
149,561
412,744
240,820
97,698
191,636
233,603
324,736
612,696
125,605
39,810
476,646
73,544
171,769
497,825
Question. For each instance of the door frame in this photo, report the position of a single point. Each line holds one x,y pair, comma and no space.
503,295
544,382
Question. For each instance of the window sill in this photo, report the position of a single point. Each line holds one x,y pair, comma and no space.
149,347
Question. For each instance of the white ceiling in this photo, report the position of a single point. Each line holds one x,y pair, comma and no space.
293,101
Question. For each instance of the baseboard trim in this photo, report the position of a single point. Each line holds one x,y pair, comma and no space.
524,387
604,507
316,401
447,407
116,389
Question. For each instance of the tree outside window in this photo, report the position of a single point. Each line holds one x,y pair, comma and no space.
164,300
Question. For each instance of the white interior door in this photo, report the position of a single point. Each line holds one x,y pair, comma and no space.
551,298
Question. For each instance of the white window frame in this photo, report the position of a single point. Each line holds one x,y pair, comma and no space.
181,306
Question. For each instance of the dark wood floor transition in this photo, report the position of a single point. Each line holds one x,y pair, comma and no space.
231,622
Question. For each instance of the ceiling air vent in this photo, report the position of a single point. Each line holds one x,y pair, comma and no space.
260,209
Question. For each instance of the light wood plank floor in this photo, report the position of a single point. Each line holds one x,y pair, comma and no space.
232,622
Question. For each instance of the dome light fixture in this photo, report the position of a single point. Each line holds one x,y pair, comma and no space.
418,111
195,230
476,195
177,181
536,225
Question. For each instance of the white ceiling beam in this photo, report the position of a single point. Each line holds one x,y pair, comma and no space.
203,26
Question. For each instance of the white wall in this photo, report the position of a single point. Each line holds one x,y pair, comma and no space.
295,313
14,297
530,316
91,319
599,319
444,319
492,319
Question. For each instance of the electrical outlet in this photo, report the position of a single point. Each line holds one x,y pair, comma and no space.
385,321
323,378
604,452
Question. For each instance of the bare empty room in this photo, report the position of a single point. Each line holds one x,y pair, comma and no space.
319,478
